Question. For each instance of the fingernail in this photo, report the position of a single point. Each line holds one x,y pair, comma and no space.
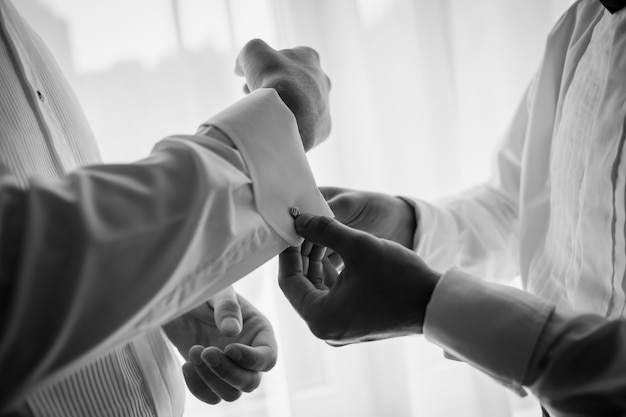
294,212
231,325
211,358
188,370
195,355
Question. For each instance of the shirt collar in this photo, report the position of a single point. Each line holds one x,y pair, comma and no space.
614,6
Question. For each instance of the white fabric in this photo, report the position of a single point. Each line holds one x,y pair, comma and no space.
502,326
554,211
128,221
574,363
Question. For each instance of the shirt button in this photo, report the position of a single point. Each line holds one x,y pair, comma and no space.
39,95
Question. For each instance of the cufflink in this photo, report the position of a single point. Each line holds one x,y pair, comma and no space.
294,212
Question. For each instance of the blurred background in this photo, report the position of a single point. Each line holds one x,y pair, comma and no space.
422,91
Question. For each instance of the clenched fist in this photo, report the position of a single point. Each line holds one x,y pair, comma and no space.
297,77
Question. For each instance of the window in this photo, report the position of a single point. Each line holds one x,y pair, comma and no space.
421,92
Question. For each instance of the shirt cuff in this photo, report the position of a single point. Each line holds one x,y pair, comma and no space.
417,212
266,133
493,327
435,239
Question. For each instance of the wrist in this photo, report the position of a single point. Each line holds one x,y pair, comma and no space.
297,103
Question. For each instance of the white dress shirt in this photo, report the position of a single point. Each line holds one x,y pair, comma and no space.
554,213
97,257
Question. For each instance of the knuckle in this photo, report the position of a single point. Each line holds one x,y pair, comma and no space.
255,45
260,56
322,223
309,52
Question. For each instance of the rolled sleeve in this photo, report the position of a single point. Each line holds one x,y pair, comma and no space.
493,327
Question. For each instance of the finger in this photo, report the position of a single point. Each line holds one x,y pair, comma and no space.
315,271
202,363
305,248
261,352
231,374
330,273
305,266
300,292
228,317
257,358
290,262
316,275
317,252
197,386
291,271
330,233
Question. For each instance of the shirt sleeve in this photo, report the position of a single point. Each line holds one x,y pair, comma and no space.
477,230
575,364
109,252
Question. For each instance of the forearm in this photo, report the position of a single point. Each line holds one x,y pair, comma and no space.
74,283
575,364
98,249
111,251
579,366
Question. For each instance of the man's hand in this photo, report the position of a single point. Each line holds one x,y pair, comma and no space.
382,292
224,360
298,79
381,215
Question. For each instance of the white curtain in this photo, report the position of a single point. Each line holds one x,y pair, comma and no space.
422,90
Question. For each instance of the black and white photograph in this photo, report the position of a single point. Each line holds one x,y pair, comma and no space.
305,208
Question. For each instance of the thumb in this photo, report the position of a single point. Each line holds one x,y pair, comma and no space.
328,232
227,312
